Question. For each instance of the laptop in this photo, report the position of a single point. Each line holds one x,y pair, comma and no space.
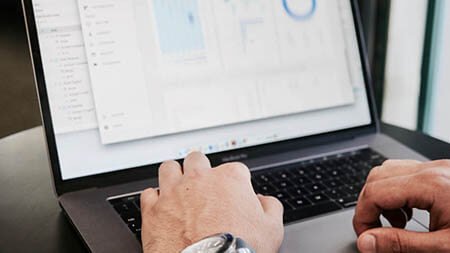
282,86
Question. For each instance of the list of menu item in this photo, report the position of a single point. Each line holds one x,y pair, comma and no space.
65,67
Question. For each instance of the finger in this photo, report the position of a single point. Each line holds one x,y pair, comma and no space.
390,194
170,174
272,207
149,198
237,171
399,240
393,168
195,163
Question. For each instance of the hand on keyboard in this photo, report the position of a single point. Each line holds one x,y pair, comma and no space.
393,189
197,201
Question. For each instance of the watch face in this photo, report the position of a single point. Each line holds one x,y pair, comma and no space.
218,243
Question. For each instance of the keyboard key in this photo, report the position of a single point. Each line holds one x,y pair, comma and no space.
348,201
282,175
286,204
344,170
335,194
361,176
264,189
130,217
299,202
300,171
298,192
334,183
310,211
317,198
315,187
134,227
318,167
350,180
335,173
283,184
351,189
319,176
125,207
301,180
263,178
131,198
280,195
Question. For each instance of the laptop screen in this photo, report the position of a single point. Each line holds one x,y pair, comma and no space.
137,82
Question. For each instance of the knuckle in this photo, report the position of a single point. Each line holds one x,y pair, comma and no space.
431,175
399,243
146,194
369,190
388,162
373,174
194,154
436,177
238,168
168,164
443,163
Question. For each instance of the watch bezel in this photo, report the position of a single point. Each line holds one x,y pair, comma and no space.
228,239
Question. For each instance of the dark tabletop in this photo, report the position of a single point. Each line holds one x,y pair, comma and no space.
32,221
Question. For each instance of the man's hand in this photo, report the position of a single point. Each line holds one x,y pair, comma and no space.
197,201
393,189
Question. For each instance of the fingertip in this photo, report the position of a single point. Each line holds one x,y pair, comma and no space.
195,162
169,164
195,156
367,243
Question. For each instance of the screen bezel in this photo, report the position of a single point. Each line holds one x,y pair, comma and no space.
150,171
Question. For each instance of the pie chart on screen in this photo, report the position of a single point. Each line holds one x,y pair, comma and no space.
300,9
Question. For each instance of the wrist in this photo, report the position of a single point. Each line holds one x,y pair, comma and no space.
166,245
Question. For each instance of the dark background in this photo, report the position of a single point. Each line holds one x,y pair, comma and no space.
18,101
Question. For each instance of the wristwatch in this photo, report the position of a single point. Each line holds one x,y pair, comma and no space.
220,243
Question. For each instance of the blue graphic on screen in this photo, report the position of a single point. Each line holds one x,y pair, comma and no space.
300,16
179,27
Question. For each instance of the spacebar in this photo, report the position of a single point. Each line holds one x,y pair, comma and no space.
306,212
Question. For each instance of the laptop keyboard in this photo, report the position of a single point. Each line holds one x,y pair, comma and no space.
306,189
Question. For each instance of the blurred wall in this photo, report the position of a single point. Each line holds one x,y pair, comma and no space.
404,62
18,100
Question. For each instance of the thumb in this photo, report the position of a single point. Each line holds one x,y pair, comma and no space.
400,240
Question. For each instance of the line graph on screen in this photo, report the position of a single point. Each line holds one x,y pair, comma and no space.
300,10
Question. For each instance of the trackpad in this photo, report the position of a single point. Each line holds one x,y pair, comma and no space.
331,233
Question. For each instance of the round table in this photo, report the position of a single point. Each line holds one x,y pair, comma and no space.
30,217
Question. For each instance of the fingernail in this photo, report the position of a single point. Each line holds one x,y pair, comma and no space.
367,244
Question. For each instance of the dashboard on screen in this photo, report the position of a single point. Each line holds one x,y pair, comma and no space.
137,82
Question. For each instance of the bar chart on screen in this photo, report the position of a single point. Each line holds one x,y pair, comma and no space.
179,26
